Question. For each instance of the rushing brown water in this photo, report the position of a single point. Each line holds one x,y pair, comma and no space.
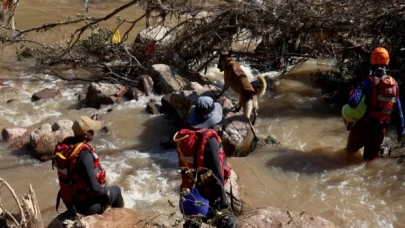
309,173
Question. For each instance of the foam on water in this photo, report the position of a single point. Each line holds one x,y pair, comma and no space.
146,183
35,112
367,202
143,100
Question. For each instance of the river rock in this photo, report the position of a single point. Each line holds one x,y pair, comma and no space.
46,94
181,101
134,93
154,33
111,218
13,133
11,101
43,129
273,217
166,105
67,72
146,85
62,124
151,107
237,137
169,79
20,143
104,94
44,139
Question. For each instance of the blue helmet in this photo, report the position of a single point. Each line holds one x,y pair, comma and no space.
194,204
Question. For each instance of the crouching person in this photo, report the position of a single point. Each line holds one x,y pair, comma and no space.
81,176
204,168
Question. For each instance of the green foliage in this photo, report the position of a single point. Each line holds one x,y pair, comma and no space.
98,40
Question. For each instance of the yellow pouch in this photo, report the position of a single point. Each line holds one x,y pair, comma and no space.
116,37
353,114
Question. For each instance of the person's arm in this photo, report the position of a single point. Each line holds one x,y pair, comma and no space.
363,89
211,158
86,170
211,161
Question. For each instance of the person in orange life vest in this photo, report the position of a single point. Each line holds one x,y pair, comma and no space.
81,177
205,151
382,99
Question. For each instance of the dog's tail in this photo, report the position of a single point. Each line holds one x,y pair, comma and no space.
262,89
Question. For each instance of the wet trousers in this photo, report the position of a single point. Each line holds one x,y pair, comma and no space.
368,136
96,206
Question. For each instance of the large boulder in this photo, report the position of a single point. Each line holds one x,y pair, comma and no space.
154,33
104,93
268,217
20,143
169,79
46,94
62,125
36,134
12,133
237,137
44,138
111,218
181,101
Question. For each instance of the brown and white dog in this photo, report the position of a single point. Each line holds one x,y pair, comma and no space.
236,78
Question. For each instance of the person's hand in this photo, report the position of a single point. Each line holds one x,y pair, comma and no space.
227,221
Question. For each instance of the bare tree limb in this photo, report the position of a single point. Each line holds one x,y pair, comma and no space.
80,31
16,199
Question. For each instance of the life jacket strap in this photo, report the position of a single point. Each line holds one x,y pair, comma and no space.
58,201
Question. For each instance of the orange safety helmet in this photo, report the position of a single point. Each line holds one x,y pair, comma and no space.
380,56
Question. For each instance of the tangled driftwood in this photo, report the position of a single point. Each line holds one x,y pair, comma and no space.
29,213
197,31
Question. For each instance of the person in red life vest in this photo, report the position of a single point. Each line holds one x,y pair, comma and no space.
81,176
382,99
200,148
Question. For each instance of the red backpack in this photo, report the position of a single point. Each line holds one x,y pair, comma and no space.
190,148
383,98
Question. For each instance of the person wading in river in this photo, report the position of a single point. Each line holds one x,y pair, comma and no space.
81,177
382,99
204,167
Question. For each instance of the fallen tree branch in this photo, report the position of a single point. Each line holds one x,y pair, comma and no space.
16,199
80,31
49,26
9,215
